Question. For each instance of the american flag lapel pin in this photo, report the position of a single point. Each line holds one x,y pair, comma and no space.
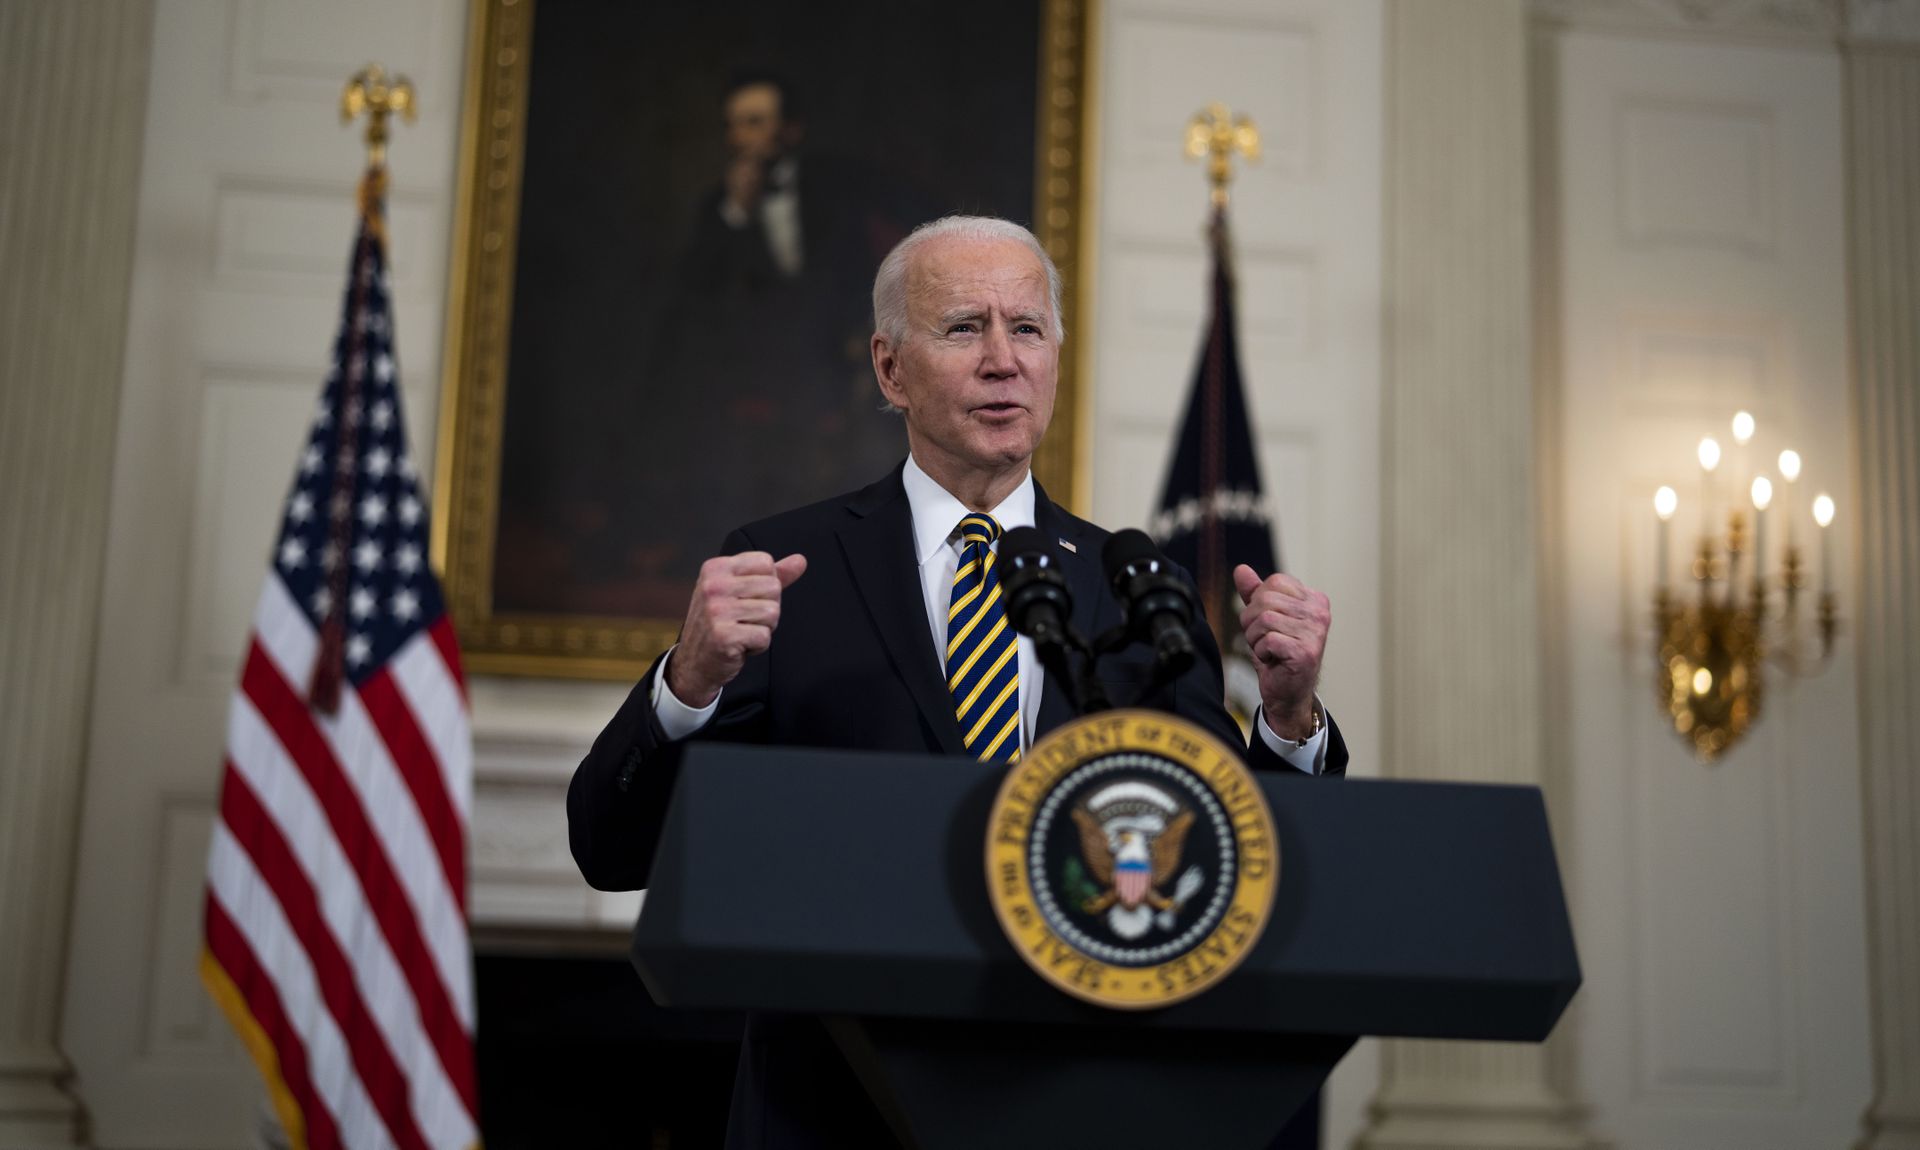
1069,547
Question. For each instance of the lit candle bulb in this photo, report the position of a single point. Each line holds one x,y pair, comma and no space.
1665,502
1823,515
1738,465
1709,455
1762,496
1789,471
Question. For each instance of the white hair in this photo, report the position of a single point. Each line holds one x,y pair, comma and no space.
890,283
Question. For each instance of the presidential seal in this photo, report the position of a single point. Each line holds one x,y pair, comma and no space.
1131,859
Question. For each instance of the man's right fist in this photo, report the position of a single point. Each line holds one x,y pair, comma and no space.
736,606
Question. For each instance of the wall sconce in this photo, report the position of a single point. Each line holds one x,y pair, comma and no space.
1711,652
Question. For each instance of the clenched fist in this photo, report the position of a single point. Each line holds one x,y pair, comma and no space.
736,606
1286,623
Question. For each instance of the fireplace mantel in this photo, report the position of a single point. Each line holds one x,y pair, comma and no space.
528,735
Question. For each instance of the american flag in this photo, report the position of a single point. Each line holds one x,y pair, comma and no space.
336,932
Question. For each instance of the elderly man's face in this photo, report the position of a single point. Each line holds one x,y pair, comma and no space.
754,122
977,371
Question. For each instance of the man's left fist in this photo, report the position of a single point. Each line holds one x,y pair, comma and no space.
1285,622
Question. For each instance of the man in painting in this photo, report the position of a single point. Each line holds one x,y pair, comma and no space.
828,625
767,329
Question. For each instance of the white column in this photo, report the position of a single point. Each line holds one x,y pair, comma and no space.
73,82
1462,646
1883,186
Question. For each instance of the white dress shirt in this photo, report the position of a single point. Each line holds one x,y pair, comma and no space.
936,514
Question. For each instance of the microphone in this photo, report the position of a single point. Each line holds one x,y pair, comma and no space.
1159,605
1038,600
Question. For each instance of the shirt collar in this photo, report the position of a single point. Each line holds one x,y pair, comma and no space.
936,512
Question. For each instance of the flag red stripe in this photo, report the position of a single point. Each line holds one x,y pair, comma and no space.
373,1061
307,747
443,638
415,760
229,948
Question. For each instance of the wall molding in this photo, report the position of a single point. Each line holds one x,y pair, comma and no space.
1803,21
73,88
1883,170
1460,383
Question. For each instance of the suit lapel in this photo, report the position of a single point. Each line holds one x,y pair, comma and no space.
879,549
1082,569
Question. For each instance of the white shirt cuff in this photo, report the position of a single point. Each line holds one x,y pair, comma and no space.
677,720
1307,757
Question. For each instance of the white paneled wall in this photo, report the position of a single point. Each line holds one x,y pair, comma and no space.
245,219
1700,270
1307,231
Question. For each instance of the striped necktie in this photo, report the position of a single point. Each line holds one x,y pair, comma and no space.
982,671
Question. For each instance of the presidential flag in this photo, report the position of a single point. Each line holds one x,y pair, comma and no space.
1212,514
336,931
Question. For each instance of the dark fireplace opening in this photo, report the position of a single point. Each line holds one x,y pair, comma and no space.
573,1053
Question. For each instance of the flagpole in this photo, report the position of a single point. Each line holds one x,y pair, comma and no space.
372,93
1216,136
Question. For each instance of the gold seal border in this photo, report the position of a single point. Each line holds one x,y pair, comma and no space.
1010,884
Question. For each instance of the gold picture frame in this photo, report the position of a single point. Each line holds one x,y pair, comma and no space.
480,317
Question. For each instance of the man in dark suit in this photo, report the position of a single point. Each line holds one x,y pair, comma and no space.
889,631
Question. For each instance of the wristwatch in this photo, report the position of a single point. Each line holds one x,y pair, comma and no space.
1319,724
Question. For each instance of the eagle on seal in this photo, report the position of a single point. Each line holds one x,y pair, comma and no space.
1129,864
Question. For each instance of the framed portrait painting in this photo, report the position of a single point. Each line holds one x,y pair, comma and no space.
658,328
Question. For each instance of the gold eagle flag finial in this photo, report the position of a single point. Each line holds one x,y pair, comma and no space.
372,92
1214,135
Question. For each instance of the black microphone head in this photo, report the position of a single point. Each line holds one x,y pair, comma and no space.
1038,600
1022,544
1156,603
1129,548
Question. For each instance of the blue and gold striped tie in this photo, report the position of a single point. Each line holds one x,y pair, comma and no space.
982,670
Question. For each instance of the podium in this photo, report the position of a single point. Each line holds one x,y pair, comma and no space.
852,886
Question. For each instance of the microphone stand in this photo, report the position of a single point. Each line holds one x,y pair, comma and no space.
1083,687
1082,683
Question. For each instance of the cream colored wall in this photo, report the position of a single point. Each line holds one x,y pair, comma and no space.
1696,174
